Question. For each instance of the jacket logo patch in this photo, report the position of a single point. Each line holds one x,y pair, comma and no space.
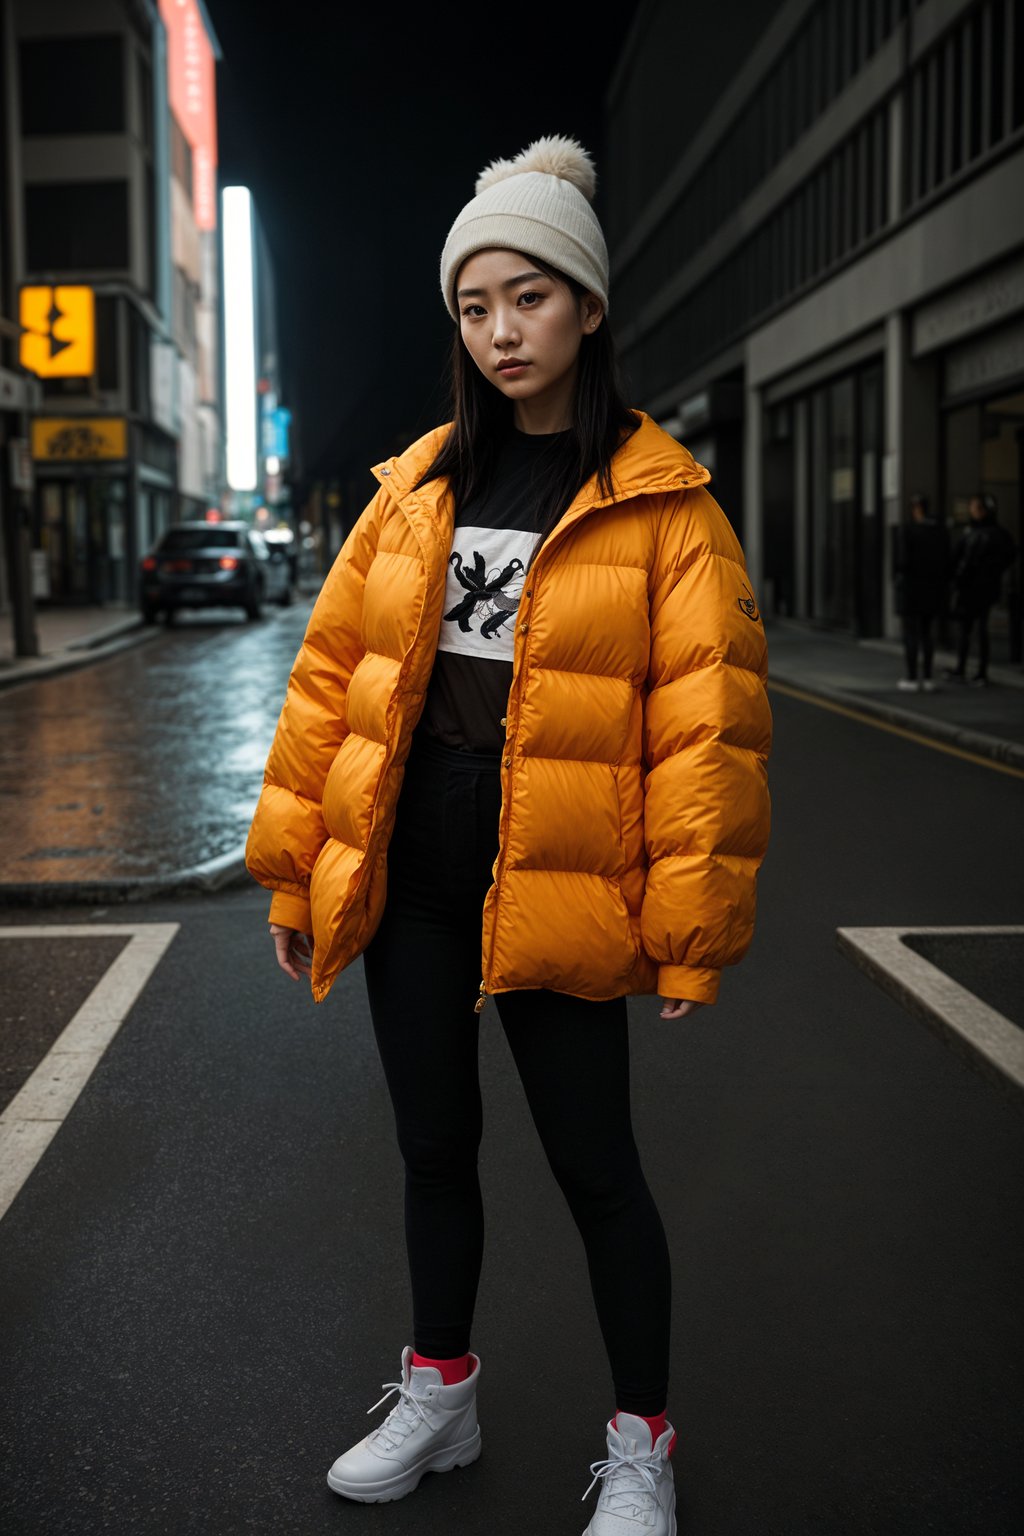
749,606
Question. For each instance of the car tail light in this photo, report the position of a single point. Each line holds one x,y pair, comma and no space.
149,564
228,562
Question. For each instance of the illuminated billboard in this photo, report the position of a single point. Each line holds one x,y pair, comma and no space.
239,338
192,92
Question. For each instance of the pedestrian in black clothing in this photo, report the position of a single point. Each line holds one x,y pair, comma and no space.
921,562
982,553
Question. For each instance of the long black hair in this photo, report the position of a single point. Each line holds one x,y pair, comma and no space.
481,416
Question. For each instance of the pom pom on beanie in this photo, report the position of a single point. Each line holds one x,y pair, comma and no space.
555,156
539,203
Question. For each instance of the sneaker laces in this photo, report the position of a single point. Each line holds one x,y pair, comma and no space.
401,1421
634,1481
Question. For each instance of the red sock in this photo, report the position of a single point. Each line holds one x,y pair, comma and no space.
452,1371
657,1424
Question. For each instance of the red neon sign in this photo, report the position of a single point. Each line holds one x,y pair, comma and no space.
193,97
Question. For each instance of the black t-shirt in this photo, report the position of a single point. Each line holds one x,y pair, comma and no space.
493,540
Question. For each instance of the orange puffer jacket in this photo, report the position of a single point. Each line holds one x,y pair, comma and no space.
635,808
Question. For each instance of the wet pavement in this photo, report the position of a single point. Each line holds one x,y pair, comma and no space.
149,761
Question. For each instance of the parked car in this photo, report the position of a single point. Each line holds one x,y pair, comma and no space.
212,565
282,540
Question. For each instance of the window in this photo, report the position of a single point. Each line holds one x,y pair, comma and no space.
212,537
974,92
997,44
138,363
72,85
106,342
181,157
77,225
144,76
954,96
1016,57
149,194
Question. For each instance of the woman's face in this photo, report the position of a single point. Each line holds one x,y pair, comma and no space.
511,312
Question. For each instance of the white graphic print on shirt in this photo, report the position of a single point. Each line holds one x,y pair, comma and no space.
485,579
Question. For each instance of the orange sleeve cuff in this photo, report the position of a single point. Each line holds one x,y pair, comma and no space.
695,983
291,911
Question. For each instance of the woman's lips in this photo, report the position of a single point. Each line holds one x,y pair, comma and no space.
511,370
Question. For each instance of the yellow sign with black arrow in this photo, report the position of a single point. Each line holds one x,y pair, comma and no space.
58,332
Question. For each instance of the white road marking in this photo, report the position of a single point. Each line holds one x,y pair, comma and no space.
980,1033
38,1110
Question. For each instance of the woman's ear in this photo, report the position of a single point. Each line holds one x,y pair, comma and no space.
591,313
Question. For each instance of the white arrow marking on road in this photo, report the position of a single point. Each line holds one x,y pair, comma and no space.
39,1109
986,1038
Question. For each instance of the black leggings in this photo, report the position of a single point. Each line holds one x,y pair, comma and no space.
422,971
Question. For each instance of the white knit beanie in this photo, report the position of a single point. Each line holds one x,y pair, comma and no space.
538,203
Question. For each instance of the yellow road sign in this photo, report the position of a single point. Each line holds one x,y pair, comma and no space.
58,332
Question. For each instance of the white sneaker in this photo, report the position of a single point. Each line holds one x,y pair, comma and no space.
908,684
639,1493
431,1428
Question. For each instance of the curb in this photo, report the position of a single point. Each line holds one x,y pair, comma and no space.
994,747
198,879
14,674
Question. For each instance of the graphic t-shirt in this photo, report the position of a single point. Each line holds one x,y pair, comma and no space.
493,540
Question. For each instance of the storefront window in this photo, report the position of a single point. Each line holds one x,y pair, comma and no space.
984,446
843,478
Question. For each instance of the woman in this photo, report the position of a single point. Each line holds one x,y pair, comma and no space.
525,739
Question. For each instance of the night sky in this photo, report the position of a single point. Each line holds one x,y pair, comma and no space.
361,141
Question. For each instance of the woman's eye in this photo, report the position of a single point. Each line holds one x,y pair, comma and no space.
470,307
529,296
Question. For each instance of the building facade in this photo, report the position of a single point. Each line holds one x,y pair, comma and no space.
817,246
101,200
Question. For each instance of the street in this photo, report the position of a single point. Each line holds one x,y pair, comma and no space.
204,1274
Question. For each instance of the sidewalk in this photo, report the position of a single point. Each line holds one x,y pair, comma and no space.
71,637
863,675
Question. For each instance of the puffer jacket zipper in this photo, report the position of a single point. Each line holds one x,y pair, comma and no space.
552,538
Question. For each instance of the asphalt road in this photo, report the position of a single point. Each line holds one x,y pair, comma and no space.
204,1284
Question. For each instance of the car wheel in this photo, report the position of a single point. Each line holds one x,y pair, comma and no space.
253,611
170,616
149,613
287,597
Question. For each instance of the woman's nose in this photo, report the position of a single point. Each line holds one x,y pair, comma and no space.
506,332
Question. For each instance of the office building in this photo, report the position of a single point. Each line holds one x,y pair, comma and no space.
816,227
110,253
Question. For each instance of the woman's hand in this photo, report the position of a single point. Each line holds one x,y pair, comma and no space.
678,1007
294,950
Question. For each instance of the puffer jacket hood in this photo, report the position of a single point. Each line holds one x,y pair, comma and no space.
635,806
